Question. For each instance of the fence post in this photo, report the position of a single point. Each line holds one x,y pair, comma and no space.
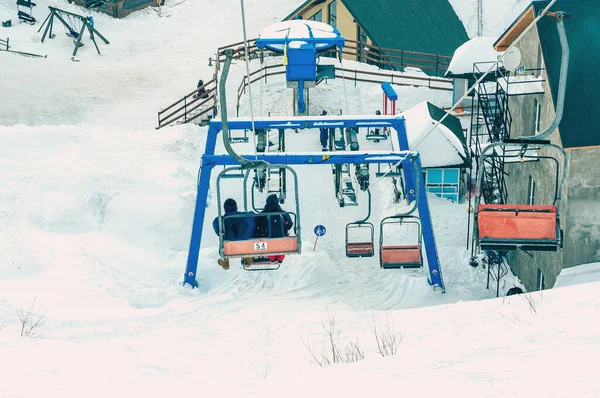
402,60
437,65
355,73
379,56
185,109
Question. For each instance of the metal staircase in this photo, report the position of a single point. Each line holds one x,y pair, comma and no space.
490,122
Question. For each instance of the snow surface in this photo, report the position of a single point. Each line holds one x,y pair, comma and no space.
584,273
497,15
519,85
95,222
478,49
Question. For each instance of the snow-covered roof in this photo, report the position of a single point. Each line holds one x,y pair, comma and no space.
519,85
584,273
478,49
441,147
299,29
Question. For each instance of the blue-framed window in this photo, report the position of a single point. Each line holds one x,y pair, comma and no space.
333,13
443,182
317,17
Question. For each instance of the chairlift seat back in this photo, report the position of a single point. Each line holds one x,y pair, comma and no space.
406,256
512,226
359,249
261,247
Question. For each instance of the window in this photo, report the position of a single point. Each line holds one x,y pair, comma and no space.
333,13
317,17
541,280
538,114
531,191
443,183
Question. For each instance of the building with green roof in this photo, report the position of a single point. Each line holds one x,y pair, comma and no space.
534,182
429,27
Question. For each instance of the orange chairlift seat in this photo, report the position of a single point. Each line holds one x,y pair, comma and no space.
400,256
526,226
363,246
260,247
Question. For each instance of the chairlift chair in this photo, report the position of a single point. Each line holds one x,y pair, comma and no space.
262,246
363,246
400,256
526,226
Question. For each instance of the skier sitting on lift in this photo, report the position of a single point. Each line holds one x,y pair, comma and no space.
235,228
276,225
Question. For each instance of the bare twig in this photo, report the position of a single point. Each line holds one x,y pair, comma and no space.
386,337
330,346
531,301
31,321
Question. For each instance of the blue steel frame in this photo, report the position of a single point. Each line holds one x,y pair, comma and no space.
210,160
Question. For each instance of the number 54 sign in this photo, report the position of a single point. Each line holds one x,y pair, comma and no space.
260,246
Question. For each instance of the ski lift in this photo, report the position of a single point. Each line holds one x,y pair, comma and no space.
260,246
400,256
364,245
526,226
392,256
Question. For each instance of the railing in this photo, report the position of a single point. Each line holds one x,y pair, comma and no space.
4,43
354,75
384,58
186,109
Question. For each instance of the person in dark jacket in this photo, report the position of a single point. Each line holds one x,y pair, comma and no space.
274,225
324,134
235,228
201,90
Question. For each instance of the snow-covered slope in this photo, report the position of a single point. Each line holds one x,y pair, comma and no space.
95,218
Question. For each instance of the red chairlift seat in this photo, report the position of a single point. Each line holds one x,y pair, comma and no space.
407,256
364,246
400,256
508,227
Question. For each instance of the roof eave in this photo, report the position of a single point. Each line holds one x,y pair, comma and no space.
515,29
300,8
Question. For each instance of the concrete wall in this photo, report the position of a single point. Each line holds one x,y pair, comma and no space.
543,172
345,22
582,232
580,209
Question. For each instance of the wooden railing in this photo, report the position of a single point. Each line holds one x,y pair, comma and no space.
384,58
191,106
4,43
186,109
354,75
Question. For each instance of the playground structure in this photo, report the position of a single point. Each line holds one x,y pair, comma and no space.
25,11
74,28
